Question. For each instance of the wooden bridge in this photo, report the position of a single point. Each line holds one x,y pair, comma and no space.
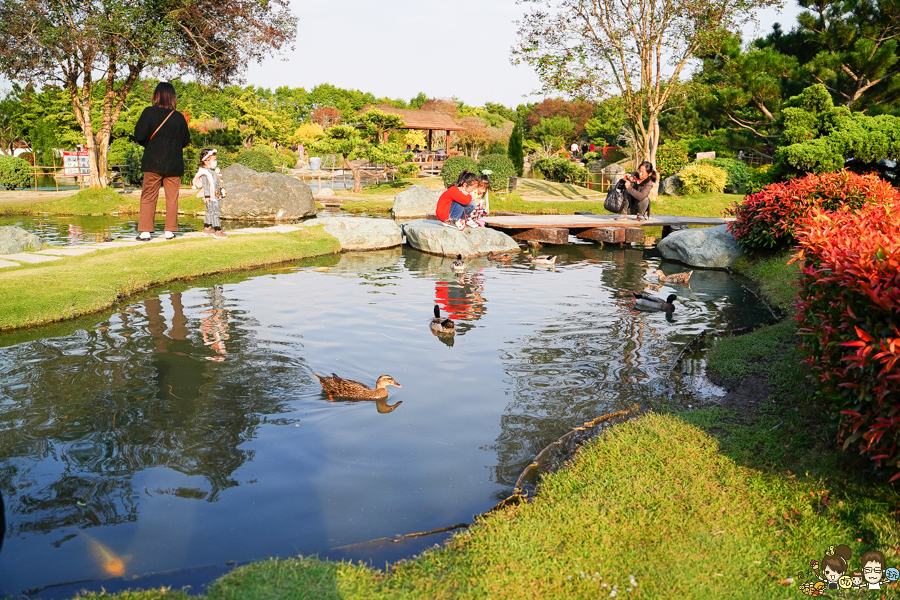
555,229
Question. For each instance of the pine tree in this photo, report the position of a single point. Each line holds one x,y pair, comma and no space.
515,151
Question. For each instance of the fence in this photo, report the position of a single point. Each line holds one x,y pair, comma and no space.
114,175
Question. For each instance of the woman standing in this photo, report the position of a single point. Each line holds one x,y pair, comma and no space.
163,132
639,189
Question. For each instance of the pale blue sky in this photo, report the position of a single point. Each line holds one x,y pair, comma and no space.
398,48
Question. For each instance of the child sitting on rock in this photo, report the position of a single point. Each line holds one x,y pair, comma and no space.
455,206
211,190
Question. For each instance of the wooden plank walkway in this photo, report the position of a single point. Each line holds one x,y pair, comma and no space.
555,229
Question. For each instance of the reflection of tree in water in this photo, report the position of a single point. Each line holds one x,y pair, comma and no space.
134,393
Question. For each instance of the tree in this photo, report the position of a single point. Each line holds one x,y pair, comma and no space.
553,133
515,151
632,48
326,116
578,112
103,46
358,145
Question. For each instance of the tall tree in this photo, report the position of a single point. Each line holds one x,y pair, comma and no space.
515,151
103,46
637,49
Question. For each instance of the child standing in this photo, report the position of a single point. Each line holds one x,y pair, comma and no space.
207,178
482,203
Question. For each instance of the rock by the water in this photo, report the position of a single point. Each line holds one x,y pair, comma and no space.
324,193
436,238
360,233
671,185
15,239
264,196
710,247
417,201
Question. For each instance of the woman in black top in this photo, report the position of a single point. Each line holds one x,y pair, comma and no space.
163,132
638,190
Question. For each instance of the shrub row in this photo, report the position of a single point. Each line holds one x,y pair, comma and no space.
14,172
849,314
738,173
769,218
562,170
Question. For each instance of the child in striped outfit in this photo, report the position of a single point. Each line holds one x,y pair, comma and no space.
207,178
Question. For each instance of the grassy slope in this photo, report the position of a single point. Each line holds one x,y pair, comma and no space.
96,202
53,291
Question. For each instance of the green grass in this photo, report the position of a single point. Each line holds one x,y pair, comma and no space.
707,205
53,291
536,189
373,205
94,201
773,277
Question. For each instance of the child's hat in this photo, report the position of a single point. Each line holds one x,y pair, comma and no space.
207,153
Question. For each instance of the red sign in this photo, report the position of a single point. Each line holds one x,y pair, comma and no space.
75,164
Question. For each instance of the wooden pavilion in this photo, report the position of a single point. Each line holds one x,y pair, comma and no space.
425,120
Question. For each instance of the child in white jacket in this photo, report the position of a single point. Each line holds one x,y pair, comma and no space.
211,190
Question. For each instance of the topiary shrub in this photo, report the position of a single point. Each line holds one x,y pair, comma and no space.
848,307
14,172
768,219
279,156
255,159
501,170
562,170
133,172
455,165
702,179
737,171
408,171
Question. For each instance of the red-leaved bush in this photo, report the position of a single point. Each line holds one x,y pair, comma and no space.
768,219
849,314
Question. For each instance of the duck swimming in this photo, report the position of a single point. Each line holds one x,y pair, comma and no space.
458,265
347,388
544,260
674,277
499,257
649,302
439,325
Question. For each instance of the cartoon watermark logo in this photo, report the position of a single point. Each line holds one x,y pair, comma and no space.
834,577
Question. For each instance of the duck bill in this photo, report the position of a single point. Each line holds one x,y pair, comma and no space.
397,385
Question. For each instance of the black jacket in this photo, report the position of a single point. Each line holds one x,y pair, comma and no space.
163,155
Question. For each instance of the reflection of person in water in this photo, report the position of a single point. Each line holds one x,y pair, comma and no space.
461,299
214,328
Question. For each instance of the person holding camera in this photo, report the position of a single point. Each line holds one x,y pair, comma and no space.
640,186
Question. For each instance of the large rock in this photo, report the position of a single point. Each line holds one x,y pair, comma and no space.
15,239
264,196
417,201
436,238
360,233
671,185
710,247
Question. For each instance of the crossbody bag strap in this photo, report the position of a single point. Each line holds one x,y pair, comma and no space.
160,126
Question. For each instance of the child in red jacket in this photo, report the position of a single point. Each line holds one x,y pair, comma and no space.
455,205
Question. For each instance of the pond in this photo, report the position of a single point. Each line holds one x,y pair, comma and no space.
186,428
80,229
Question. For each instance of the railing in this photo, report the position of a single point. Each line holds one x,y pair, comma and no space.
114,175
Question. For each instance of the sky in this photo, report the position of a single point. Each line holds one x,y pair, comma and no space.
398,48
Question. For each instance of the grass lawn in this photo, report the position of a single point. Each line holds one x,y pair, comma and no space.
706,205
102,201
58,290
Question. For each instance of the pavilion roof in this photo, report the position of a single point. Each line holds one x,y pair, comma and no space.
424,119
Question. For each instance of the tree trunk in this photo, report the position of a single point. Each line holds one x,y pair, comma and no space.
357,175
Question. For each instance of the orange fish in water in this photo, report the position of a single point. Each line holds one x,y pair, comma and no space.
111,564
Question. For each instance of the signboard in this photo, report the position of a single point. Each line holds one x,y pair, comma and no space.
702,155
75,164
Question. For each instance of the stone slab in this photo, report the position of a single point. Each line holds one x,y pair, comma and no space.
360,233
67,251
546,235
8,263
436,238
28,257
634,234
609,235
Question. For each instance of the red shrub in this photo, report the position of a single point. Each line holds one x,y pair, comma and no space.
849,314
769,218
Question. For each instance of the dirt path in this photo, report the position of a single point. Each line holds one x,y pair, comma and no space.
14,196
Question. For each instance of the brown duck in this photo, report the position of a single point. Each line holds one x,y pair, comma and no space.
499,257
347,388
674,277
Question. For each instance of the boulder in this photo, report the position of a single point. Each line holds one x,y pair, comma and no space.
360,233
417,201
710,247
436,238
670,185
15,239
324,193
612,170
264,196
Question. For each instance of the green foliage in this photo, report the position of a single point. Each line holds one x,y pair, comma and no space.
562,170
408,171
255,159
501,170
133,173
702,179
279,156
553,132
515,150
14,172
738,172
760,178
455,165
670,158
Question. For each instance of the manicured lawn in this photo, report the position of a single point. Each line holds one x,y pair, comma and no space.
54,291
98,202
707,205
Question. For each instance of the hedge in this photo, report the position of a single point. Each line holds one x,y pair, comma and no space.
738,173
561,170
14,172
256,159
501,169
702,179
455,165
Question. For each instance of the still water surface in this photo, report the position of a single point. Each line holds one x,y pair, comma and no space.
187,428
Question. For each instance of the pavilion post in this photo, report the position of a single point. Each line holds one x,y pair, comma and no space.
429,139
447,143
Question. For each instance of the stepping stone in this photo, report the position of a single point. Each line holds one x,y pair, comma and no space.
67,251
282,228
250,230
102,245
8,263
27,257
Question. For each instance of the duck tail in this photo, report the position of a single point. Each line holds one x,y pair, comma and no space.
437,311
